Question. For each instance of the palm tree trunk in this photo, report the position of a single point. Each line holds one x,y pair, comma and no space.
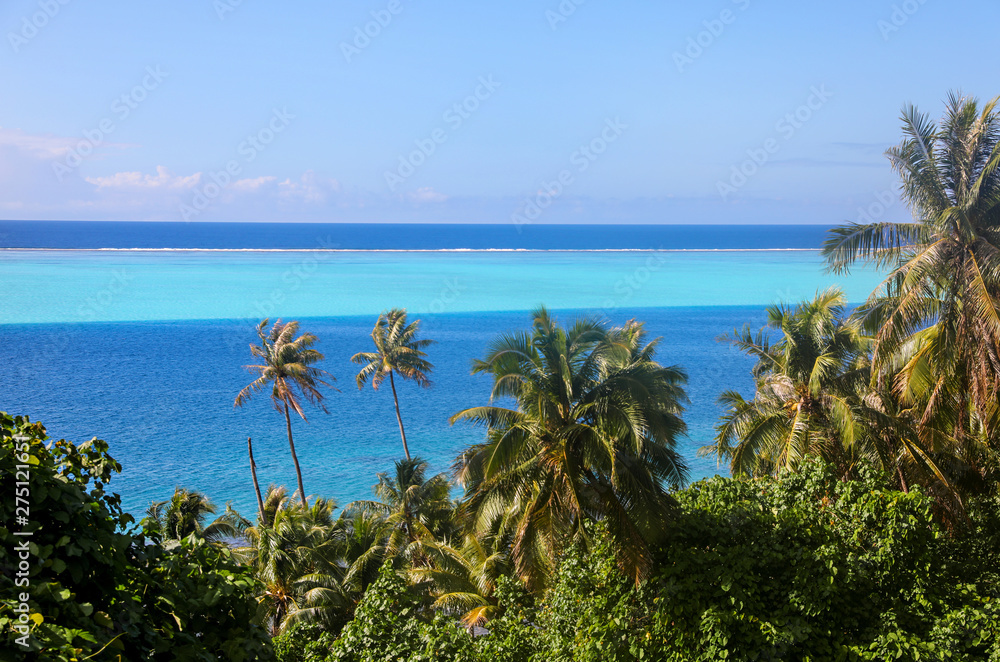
902,480
256,485
399,418
295,458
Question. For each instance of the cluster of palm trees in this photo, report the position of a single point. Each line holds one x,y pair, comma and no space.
910,380
582,421
581,426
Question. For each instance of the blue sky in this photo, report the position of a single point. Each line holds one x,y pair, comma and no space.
624,112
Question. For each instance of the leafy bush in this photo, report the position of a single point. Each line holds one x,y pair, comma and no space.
810,567
592,611
94,588
513,635
303,642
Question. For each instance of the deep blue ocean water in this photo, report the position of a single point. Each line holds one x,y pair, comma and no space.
145,348
355,236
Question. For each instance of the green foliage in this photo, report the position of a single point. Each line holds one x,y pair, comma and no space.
512,637
95,589
69,575
804,566
197,603
810,567
592,611
303,642
385,625
444,639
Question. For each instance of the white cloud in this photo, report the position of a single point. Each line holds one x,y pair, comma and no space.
42,146
252,184
310,187
426,194
163,179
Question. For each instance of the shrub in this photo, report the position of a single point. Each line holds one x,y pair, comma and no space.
93,586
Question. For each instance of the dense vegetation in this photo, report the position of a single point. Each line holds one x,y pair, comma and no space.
862,521
98,587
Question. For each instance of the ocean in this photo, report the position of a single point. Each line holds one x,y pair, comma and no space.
137,332
396,236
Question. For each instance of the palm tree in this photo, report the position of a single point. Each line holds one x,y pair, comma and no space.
294,551
253,474
463,579
591,435
936,314
397,352
416,509
364,547
805,382
185,514
895,441
288,367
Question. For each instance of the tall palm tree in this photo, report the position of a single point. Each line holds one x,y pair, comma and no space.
186,512
805,382
936,314
253,475
288,366
397,352
591,435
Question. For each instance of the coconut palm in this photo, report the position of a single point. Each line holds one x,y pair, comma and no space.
590,434
463,579
397,352
288,366
936,314
805,381
416,509
253,475
294,551
894,442
364,547
186,512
